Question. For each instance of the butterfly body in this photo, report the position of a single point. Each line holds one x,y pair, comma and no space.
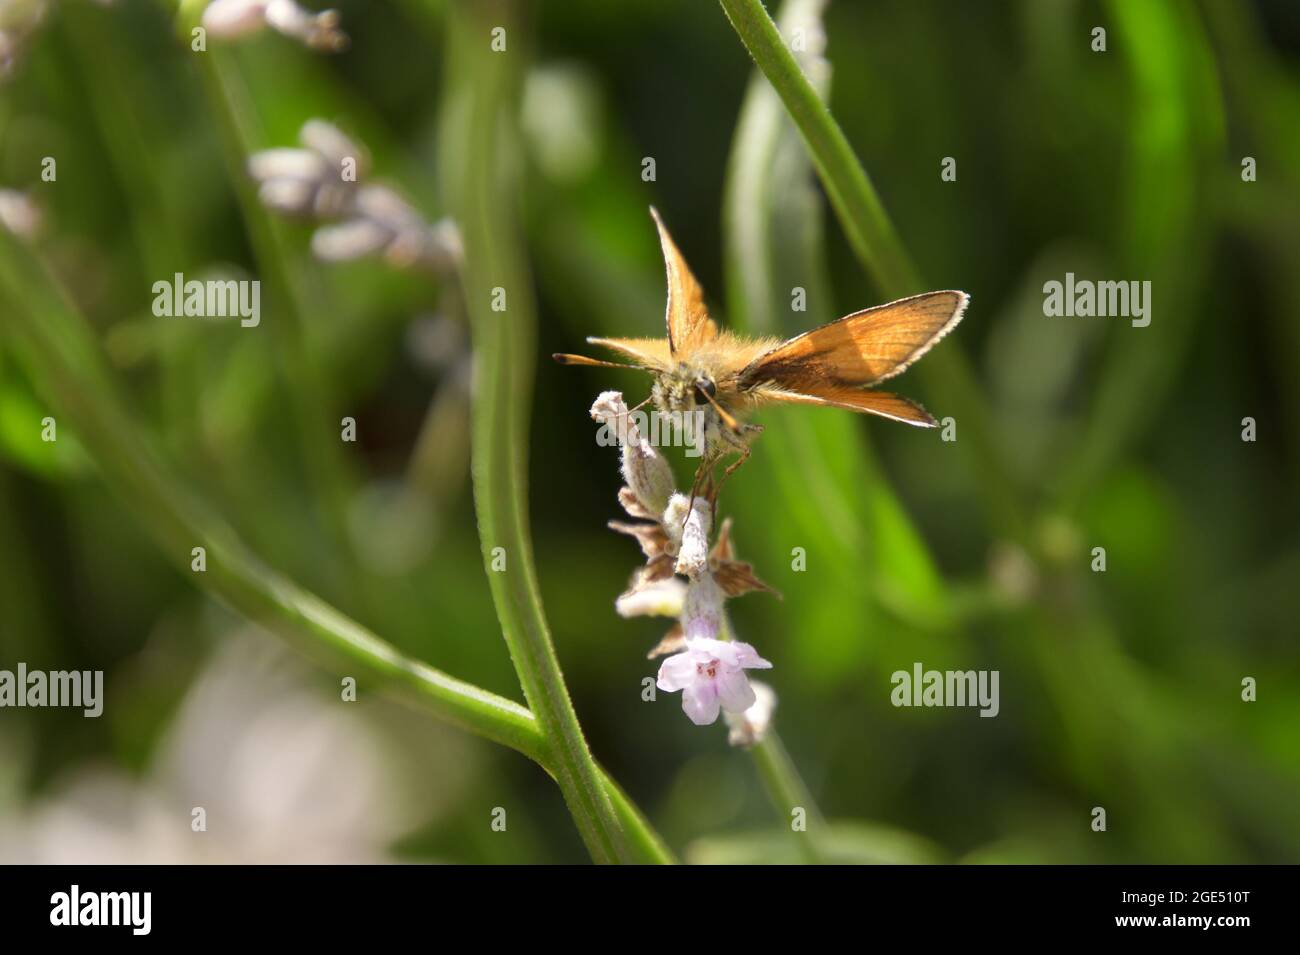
700,367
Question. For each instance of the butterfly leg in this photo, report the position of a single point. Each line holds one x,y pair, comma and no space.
703,480
739,443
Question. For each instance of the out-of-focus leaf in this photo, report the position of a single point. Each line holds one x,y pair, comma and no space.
21,417
844,843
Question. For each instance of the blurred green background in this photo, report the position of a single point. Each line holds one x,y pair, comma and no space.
1119,689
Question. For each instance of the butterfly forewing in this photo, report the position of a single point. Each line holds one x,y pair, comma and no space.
689,325
861,349
650,352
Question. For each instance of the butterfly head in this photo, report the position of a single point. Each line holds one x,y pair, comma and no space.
683,387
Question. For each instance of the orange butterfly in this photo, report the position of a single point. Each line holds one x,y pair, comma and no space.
724,374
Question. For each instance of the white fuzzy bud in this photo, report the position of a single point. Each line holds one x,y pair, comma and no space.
290,197
693,558
19,214
320,31
298,164
333,145
348,240
751,726
645,470
228,19
663,598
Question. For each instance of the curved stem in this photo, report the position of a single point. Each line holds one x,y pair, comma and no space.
780,776
498,294
865,221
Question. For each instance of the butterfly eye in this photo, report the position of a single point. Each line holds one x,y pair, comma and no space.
704,390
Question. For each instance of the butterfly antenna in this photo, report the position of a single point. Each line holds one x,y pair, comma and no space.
564,359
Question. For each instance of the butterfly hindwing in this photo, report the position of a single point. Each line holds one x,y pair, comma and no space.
861,349
882,403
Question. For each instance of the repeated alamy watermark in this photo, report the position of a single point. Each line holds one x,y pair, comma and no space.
75,907
1084,298
214,298
922,687
72,688
24,687
663,429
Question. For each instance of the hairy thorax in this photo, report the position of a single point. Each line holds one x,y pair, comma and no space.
681,388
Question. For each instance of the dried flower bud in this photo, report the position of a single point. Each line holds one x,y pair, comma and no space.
674,641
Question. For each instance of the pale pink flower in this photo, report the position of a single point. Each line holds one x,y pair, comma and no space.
711,675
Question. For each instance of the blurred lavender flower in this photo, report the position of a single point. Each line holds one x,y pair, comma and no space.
673,532
324,181
260,752
19,214
230,19
18,21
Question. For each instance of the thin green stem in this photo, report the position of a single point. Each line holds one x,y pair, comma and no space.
788,793
499,298
866,223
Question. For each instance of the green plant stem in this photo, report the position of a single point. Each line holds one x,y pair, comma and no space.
866,223
876,243
780,776
59,350
788,792
503,337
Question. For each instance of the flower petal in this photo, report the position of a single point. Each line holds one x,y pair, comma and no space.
734,691
677,672
747,656
700,702
707,646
